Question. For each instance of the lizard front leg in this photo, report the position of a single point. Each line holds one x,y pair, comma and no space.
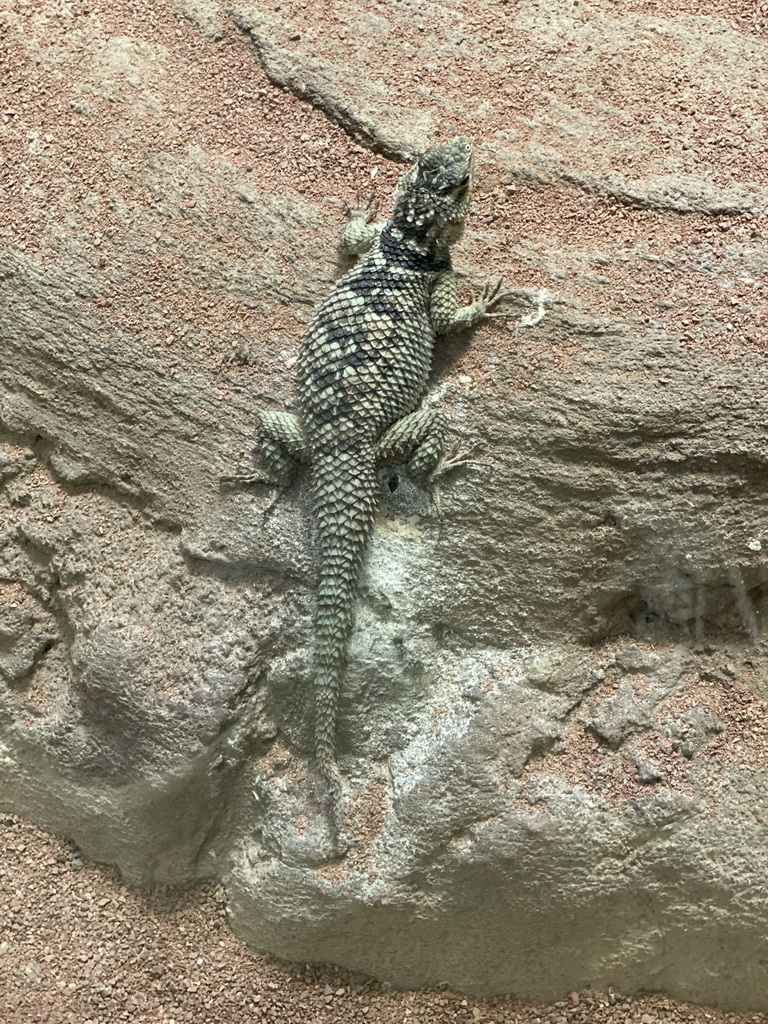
446,313
360,231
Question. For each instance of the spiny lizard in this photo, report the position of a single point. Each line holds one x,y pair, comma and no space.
362,369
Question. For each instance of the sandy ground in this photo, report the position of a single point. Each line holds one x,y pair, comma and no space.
77,946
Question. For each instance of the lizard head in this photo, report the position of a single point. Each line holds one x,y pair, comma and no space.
432,197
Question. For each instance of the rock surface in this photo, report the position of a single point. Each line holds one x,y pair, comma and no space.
554,725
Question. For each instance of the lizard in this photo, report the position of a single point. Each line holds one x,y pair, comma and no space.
362,369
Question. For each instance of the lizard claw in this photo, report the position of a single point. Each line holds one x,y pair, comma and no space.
365,208
246,476
492,294
372,206
458,461
269,507
461,460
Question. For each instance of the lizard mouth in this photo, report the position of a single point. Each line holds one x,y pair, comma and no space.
468,181
464,194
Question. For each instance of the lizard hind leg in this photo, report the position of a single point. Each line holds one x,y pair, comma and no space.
282,447
416,439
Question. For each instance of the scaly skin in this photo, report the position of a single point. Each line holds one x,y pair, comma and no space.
361,372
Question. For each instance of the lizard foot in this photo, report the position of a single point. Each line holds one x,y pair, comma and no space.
246,478
364,209
339,847
250,476
462,460
246,475
458,461
491,294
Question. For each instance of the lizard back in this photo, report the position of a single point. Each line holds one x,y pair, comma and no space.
366,355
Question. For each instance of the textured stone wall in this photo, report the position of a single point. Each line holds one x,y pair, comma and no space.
554,728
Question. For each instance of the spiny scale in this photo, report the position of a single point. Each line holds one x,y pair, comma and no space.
362,369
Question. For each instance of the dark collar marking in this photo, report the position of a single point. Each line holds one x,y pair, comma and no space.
398,253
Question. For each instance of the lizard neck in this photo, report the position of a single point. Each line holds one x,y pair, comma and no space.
402,248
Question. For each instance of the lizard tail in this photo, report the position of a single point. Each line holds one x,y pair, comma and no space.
344,493
326,700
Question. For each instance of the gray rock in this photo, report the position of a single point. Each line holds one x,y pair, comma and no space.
648,772
689,732
622,715
205,15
